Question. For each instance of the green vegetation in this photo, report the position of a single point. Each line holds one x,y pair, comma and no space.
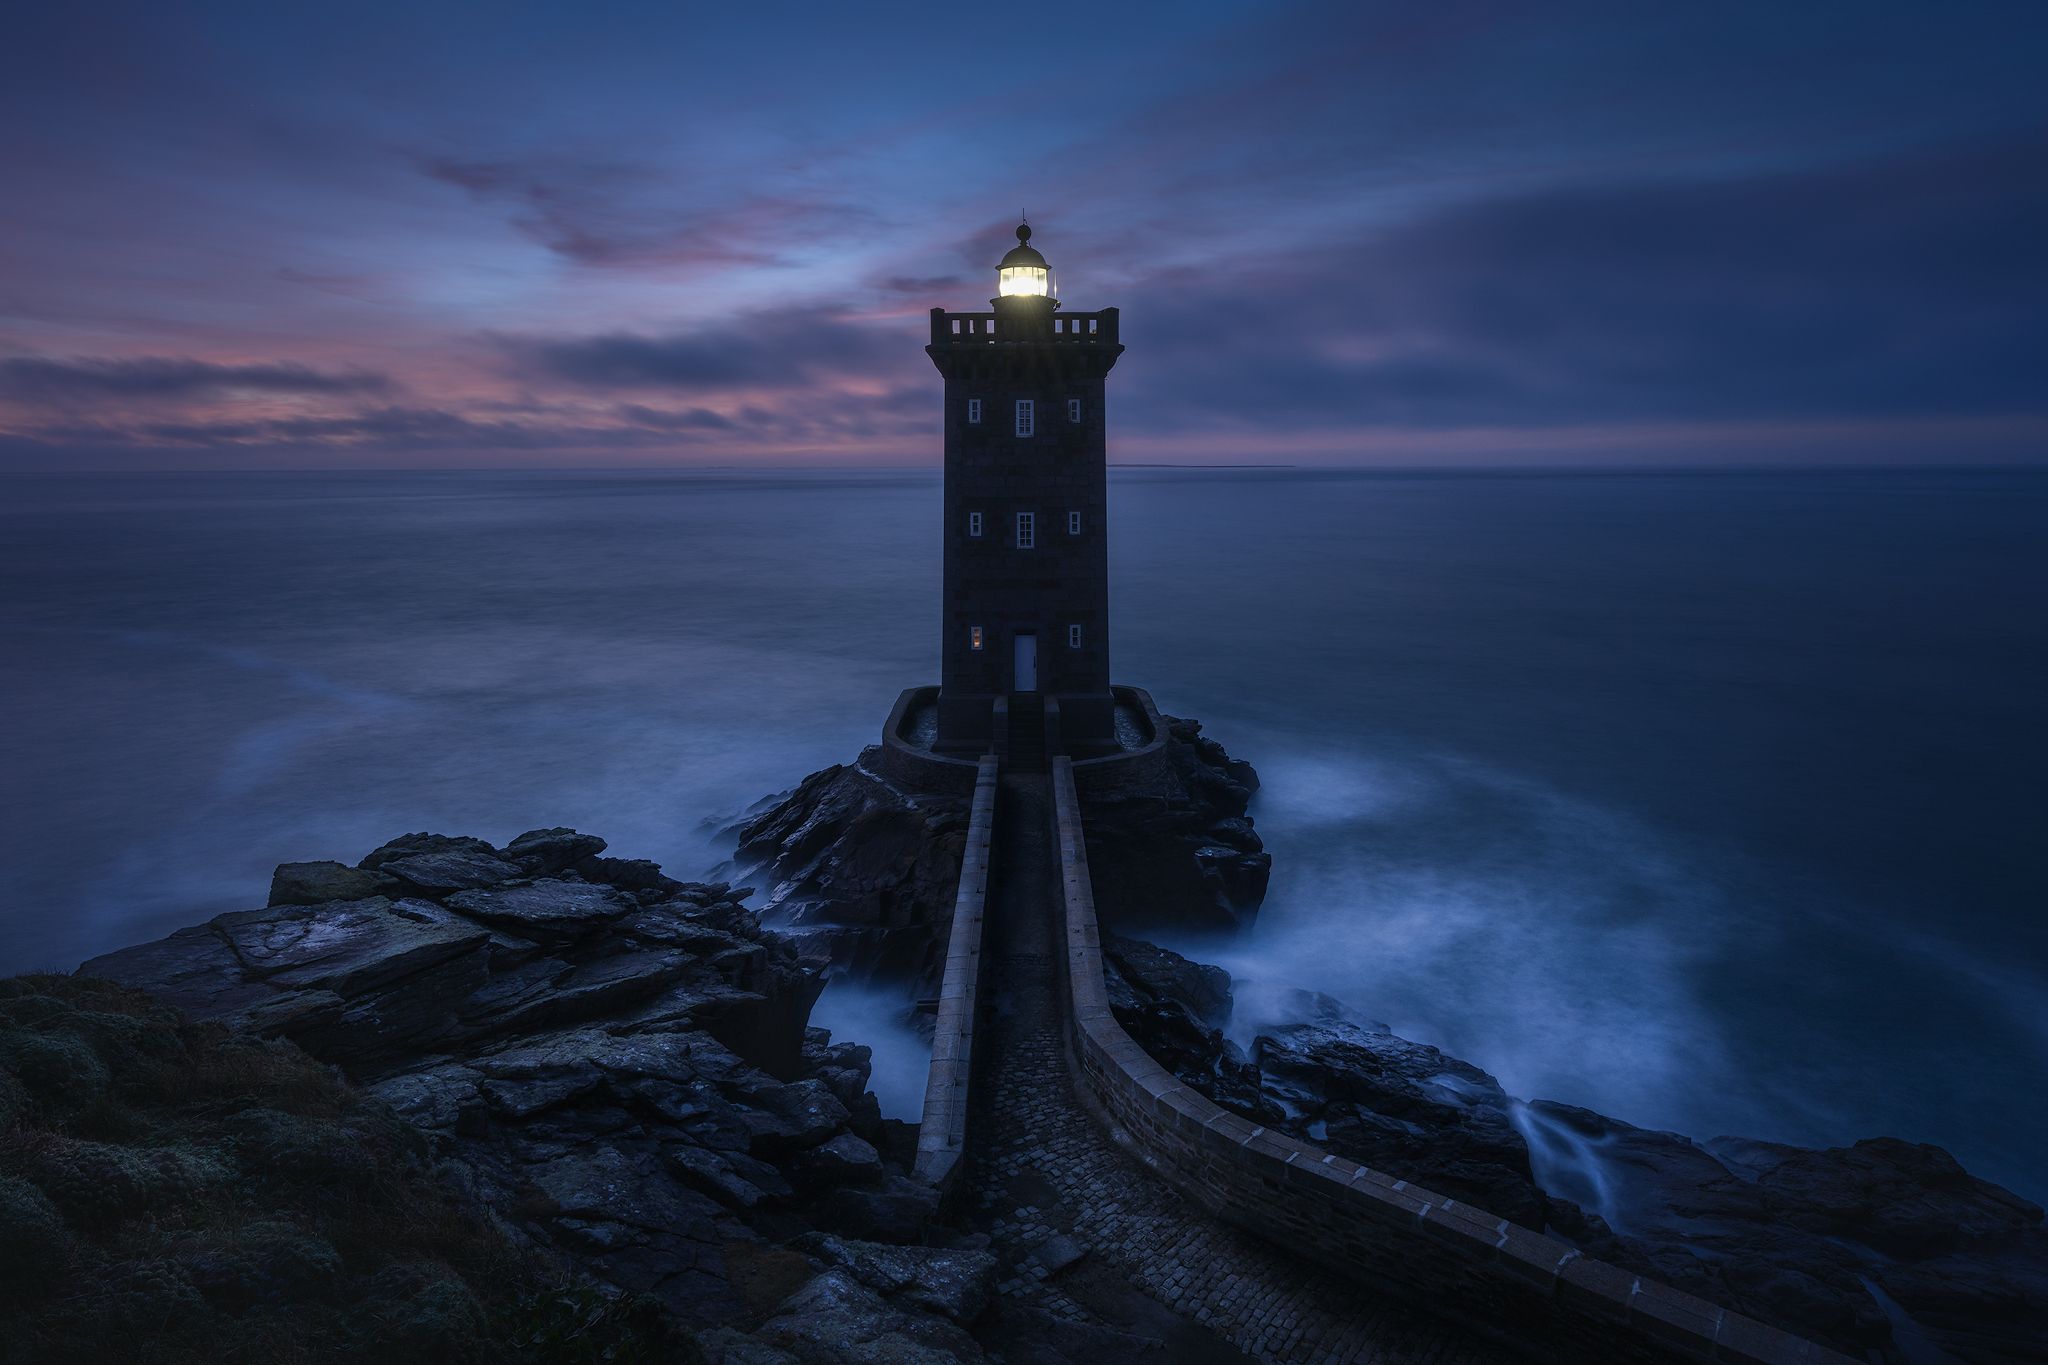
173,1193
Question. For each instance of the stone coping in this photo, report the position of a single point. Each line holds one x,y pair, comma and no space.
942,1133
1523,1287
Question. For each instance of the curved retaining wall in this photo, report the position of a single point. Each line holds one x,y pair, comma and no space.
916,769
1531,1291
1144,771
942,1133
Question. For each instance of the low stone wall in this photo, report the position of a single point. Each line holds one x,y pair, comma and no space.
1531,1291
1144,771
942,1134
915,769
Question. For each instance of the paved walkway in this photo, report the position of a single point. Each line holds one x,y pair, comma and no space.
1087,1235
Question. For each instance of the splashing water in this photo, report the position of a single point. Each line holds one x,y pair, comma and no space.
1569,1164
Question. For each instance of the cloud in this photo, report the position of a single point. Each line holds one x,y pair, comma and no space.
770,350
614,215
1904,287
36,379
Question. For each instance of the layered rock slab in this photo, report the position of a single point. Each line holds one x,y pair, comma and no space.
614,1061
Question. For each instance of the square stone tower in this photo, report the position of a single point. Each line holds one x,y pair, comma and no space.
1026,541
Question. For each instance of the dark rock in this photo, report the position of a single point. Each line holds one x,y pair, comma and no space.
898,1209
1795,1237
1184,856
842,1158
317,883
635,875
861,873
838,1318
411,845
546,909
1402,1107
544,852
957,1283
620,1064
348,947
455,870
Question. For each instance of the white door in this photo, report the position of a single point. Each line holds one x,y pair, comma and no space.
1027,664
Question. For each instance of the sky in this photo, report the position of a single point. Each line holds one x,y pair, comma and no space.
431,235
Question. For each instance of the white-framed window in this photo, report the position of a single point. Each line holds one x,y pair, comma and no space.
1073,637
1027,530
1027,416
974,524
1073,523
1073,409
974,411
974,638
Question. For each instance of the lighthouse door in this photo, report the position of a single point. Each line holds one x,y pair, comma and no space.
1026,673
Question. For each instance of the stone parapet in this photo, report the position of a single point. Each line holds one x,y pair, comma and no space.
917,769
1530,1291
942,1134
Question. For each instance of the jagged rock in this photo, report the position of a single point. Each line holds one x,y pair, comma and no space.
622,1068
547,909
412,845
897,1209
862,873
454,870
1185,856
544,852
317,883
836,1318
1400,1106
845,1157
346,947
1789,1235
957,1283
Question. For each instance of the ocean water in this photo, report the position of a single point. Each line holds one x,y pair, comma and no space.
1712,801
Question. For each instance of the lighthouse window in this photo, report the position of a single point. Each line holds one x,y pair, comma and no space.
974,524
1073,637
974,637
1073,523
1073,409
1027,416
974,410
1027,530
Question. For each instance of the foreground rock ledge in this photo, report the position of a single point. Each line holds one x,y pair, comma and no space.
1886,1248
617,1065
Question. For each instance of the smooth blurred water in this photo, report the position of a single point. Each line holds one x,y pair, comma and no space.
1711,801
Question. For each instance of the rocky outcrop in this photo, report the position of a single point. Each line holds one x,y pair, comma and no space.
860,872
863,873
174,1192
615,1063
1184,855
1886,1246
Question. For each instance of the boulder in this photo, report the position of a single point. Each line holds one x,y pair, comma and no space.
546,909
347,947
1183,856
317,883
453,870
411,845
544,852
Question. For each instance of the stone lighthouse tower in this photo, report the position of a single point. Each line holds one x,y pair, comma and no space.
1026,540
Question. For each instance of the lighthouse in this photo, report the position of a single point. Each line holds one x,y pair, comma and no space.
1026,595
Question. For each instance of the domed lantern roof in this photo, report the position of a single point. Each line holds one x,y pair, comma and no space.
1023,272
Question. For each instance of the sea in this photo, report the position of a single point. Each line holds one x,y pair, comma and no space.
1714,801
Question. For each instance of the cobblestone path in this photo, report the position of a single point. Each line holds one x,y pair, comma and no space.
1098,1254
